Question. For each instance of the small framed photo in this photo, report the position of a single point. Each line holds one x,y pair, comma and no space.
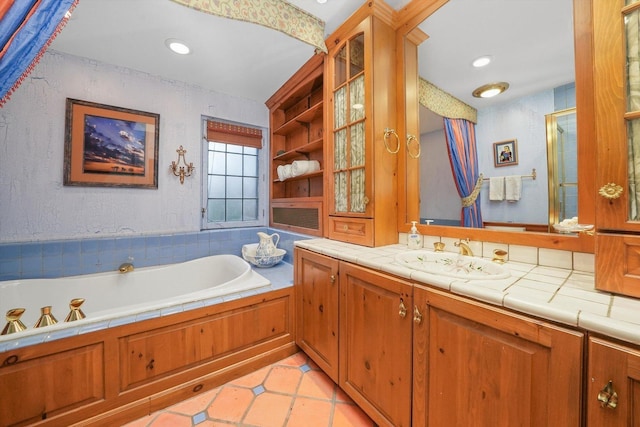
505,153
107,146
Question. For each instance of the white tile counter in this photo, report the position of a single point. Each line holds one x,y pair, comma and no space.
558,294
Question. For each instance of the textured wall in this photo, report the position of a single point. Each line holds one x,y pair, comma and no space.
35,206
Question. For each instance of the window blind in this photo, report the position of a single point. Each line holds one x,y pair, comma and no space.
234,134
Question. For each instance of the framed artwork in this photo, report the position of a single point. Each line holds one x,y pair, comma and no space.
109,146
505,153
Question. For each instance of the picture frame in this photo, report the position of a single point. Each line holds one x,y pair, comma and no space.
109,146
505,153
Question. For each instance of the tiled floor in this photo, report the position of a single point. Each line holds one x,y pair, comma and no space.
292,393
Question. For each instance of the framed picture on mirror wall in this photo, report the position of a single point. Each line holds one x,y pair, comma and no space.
505,153
109,146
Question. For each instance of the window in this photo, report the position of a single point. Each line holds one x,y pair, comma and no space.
234,186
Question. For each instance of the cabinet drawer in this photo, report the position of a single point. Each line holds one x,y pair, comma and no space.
351,230
618,264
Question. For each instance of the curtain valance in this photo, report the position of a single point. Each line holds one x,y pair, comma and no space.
444,104
234,134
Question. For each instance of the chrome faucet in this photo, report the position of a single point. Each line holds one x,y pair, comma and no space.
126,267
465,249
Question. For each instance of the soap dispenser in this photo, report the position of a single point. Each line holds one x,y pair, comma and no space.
414,239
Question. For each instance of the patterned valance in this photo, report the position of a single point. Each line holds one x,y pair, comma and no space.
275,14
443,104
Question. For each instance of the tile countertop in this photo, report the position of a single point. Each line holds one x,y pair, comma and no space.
561,295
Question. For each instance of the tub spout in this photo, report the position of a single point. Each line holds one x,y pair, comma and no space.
126,267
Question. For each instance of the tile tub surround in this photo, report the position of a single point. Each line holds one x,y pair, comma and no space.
280,276
564,294
61,258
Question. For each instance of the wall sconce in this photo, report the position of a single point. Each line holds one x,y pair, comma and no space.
180,170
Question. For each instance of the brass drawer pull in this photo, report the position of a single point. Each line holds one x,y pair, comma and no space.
607,397
417,316
402,311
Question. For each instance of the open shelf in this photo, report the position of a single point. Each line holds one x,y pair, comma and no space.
299,177
306,116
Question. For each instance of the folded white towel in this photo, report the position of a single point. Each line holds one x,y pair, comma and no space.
301,167
496,188
284,172
513,188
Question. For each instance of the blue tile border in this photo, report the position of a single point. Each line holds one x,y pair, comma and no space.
62,258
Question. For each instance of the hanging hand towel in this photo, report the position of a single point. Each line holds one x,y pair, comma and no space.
496,188
513,188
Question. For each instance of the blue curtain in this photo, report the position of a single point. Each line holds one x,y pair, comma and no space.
27,27
463,157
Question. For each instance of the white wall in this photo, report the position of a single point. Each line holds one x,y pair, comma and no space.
34,205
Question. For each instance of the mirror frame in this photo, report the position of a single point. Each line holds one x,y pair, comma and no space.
408,36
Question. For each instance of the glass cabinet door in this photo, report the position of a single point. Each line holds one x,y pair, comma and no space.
349,128
617,112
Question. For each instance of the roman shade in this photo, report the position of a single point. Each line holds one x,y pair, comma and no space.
234,134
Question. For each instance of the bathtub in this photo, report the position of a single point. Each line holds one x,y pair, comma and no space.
115,298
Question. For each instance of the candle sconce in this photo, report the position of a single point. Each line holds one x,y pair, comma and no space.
180,170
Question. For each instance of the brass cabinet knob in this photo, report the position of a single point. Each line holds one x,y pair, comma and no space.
610,191
607,397
402,310
332,278
417,316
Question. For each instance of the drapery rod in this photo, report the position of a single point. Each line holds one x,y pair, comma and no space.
532,176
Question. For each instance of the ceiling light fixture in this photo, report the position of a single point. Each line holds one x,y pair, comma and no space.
490,90
177,46
322,1
481,61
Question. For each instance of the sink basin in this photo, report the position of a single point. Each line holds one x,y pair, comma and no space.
452,265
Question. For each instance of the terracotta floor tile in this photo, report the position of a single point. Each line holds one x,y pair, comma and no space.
310,413
316,384
230,404
195,404
269,410
253,379
349,415
341,396
283,379
297,359
167,419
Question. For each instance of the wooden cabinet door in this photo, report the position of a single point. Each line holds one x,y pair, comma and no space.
620,365
617,112
375,343
616,54
477,365
316,290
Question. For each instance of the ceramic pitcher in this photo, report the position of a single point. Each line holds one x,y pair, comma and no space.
267,247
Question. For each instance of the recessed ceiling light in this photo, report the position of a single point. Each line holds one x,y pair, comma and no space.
322,1
481,61
177,46
489,90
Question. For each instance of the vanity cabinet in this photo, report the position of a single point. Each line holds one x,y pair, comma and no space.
361,104
613,384
296,122
316,290
375,343
616,55
475,364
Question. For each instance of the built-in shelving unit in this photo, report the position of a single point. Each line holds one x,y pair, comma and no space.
297,134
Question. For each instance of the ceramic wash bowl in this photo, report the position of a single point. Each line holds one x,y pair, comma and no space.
249,254
452,265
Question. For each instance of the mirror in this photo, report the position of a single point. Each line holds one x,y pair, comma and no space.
518,114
